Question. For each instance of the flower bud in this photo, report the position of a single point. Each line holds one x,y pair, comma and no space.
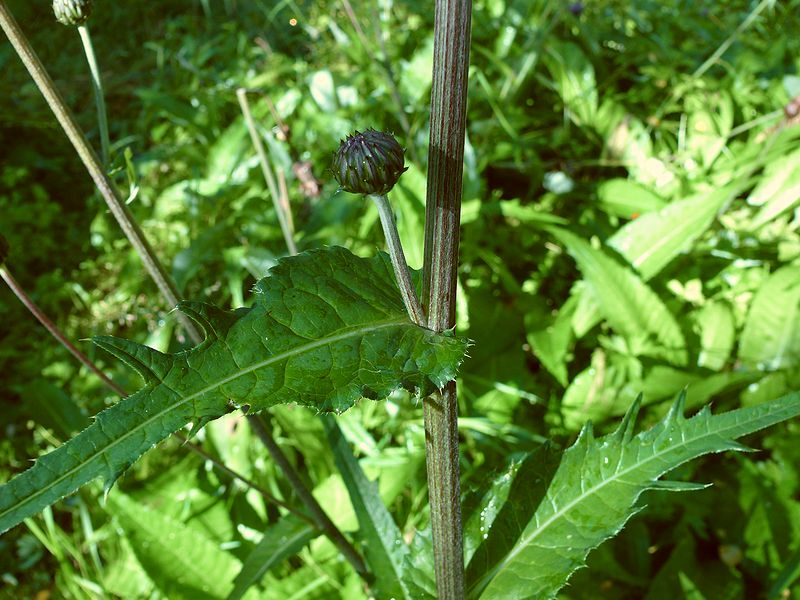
4,248
72,12
368,163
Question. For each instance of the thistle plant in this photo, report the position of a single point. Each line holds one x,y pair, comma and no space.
326,329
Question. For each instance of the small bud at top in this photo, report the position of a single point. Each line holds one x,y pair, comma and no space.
4,248
72,12
368,163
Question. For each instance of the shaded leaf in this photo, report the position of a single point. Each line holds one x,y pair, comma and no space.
53,408
384,548
551,343
178,559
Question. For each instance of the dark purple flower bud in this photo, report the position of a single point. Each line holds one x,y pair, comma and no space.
576,8
368,163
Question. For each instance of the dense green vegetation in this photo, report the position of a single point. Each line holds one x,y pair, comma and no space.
630,226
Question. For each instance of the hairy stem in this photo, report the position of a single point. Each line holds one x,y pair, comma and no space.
281,211
261,429
99,99
401,272
442,219
92,163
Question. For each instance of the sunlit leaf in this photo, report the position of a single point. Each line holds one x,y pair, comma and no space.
326,329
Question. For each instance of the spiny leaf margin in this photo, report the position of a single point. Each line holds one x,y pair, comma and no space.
594,491
326,329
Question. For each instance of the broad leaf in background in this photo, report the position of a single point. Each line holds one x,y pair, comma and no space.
717,329
627,199
326,329
771,335
182,562
574,78
281,540
778,190
709,123
551,342
594,491
651,241
626,302
53,408
384,548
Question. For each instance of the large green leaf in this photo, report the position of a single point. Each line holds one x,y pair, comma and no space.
627,199
771,335
626,302
281,540
778,189
574,79
180,560
650,242
384,547
594,491
717,329
326,329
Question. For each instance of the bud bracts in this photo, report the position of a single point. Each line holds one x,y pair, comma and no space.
72,12
368,163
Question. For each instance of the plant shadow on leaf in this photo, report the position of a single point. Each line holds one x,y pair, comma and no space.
490,534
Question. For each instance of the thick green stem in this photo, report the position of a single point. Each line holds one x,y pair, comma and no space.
403,275
99,99
442,220
92,163
280,210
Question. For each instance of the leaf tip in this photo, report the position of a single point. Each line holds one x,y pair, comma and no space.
624,432
678,408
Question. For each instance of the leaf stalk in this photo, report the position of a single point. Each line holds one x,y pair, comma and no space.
99,99
407,289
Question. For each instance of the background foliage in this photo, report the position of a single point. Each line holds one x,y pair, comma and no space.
630,225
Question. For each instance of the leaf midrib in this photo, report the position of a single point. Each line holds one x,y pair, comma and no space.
345,334
523,542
